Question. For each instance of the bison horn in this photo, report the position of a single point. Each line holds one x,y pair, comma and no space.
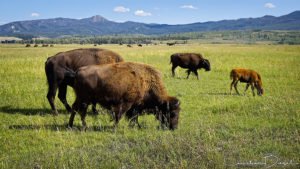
177,103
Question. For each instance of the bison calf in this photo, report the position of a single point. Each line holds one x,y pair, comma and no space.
190,61
124,87
248,76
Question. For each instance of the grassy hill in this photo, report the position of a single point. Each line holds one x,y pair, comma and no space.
216,130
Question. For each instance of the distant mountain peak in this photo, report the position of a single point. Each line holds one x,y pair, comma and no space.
96,18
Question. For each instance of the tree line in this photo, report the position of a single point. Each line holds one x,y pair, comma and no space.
251,36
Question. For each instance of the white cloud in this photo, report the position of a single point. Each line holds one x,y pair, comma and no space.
142,13
188,7
121,9
270,5
34,14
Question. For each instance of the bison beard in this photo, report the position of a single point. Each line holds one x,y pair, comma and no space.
126,87
56,67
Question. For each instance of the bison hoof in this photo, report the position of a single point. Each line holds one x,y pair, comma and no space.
69,127
55,113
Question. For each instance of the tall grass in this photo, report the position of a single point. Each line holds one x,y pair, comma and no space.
216,130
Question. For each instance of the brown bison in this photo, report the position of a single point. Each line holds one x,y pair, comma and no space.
124,87
246,76
171,44
190,61
57,65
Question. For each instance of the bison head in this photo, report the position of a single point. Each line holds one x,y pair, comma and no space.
258,86
170,113
205,64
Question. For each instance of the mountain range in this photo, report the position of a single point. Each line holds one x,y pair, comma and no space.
98,25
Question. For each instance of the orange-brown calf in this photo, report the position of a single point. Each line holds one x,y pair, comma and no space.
248,76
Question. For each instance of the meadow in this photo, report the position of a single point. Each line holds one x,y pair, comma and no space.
216,129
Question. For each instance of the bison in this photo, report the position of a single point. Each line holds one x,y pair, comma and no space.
171,44
246,76
57,65
124,87
190,61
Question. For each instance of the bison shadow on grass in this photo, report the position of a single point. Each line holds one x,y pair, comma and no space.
25,111
36,111
61,127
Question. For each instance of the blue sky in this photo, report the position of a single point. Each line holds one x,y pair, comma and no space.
150,11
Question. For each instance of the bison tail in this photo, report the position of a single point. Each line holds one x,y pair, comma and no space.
172,57
231,75
69,76
49,70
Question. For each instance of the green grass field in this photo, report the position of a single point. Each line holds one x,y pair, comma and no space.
216,130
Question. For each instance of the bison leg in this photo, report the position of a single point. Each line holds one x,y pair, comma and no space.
252,87
119,110
247,86
62,92
51,96
71,120
196,73
133,115
235,87
83,109
173,70
188,72
94,109
75,107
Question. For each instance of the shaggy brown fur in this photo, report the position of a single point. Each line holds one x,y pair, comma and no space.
124,87
248,76
190,61
57,65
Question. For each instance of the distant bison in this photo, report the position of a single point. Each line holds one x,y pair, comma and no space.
45,45
171,44
36,45
248,76
57,65
190,61
129,46
124,87
140,45
28,45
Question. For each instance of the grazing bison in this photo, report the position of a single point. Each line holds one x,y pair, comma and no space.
28,45
124,87
140,45
190,61
129,46
171,44
248,76
36,45
57,65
